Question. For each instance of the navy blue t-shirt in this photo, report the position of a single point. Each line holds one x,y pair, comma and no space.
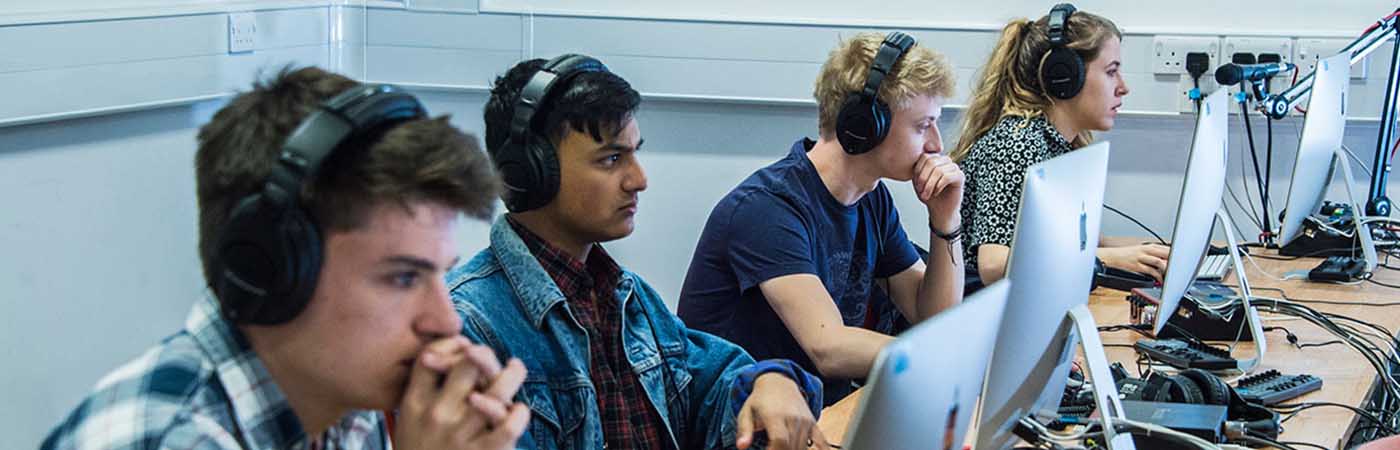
780,221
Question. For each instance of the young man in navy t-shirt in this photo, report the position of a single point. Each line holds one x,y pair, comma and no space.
788,262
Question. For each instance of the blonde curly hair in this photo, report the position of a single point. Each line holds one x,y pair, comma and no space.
921,71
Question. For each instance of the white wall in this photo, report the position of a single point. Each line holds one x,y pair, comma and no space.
97,126
1282,17
99,112
100,259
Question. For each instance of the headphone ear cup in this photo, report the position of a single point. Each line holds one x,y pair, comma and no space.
1062,75
1178,389
546,162
301,240
858,124
269,258
517,174
881,113
1214,391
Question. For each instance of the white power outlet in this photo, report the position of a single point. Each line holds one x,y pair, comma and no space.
1169,59
1310,51
1283,47
1169,52
242,32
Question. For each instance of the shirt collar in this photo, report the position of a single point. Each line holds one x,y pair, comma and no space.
260,408
265,419
532,285
561,265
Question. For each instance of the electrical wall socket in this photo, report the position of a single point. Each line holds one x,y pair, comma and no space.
1169,52
242,32
1283,47
1169,59
1255,45
1310,51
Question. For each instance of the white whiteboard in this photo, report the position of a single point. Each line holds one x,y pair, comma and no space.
1279,17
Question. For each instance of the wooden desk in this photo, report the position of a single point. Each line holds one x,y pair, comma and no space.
1347,377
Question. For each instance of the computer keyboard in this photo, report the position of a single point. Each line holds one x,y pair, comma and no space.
1214,268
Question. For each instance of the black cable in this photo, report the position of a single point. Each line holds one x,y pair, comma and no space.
1285,296
1244,183
1295,408
1253,154
1196,83
1140,224
1373,281
1318,344
1305,255
1268,171
1381,362
1255,439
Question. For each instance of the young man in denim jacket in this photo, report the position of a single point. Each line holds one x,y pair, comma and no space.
609,365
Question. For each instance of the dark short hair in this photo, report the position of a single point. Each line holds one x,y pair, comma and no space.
598,103
419,160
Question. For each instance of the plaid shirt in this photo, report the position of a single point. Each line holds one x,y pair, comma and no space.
202,388
627,418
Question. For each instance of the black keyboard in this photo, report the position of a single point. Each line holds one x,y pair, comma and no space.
1272,387
1186,354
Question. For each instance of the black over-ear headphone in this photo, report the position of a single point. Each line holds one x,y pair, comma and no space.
269,252
1196,386
527,162
864,120
1062,71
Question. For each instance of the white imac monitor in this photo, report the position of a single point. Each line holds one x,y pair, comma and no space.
1202,192
1320,153
1051,269
922,399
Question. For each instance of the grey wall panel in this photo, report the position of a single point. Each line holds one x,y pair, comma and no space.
391,27
74,69
438,66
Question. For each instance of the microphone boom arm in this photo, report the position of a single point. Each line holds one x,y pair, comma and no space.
1276,106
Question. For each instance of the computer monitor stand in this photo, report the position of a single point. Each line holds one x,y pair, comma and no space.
1363,232
1105,390
1251,315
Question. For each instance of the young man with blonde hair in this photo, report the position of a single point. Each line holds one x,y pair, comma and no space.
789,260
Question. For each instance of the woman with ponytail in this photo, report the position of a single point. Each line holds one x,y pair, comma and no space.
1028,108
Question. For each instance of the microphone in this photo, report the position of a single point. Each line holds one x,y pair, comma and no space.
1234,73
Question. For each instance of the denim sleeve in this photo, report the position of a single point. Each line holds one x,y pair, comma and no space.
722,377
810,386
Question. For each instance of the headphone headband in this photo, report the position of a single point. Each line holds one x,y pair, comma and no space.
349,114
540,89
1061,69
1059,16
269,250
895,45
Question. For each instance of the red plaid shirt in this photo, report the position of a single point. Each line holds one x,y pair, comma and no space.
629,421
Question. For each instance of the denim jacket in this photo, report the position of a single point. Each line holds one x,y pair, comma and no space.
509,303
